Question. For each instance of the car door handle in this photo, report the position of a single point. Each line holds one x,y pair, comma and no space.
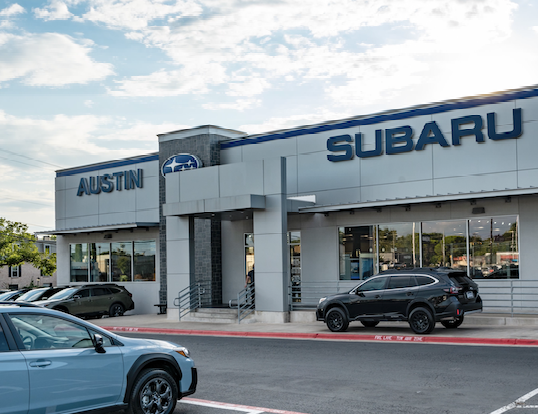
40,363
410,293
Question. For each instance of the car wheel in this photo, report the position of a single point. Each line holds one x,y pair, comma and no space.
116,310
453,324
154,392
421,321
336,320
370,324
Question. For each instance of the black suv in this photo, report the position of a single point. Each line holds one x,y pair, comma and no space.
420,296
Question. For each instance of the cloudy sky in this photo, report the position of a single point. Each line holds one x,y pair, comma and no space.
84,81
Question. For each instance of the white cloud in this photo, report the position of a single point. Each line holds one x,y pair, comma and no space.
303,40
138,14
238,105
48,59
56,10
32,149
189,80
278,123
12,10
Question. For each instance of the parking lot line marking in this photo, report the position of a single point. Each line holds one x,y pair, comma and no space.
237,407
519,403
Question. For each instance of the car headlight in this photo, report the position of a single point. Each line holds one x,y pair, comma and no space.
322,300
183,351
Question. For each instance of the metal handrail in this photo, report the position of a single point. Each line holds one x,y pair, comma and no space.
245,304
512,295
193,297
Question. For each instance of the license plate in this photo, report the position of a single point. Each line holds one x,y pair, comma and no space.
469,295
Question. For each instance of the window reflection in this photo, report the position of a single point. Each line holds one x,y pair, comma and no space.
398,246
494,248
357,257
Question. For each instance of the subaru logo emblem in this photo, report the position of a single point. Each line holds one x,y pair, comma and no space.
180,162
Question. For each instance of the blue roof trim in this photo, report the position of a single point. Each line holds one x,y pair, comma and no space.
510,96
113,164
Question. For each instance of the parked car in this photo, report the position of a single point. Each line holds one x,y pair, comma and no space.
53,362
13,294
38,294
420,296
91,300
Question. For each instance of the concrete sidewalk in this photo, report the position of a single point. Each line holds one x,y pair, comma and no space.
480,329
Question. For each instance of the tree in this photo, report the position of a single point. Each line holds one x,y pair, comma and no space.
17,246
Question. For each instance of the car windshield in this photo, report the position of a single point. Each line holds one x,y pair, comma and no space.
32,294
6,296
63,294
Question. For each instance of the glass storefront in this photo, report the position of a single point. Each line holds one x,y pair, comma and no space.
144,261
444,244
357,252
122,254
113,262
294,246
79,262
494,251
398,245
485,248
249,253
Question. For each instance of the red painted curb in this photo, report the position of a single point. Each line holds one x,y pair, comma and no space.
337,337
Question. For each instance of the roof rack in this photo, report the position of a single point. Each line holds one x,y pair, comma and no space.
20,304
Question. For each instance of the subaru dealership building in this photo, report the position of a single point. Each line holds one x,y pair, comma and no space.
451,184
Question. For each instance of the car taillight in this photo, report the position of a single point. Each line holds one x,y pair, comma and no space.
453,290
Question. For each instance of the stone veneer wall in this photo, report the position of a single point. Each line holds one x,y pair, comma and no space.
207,232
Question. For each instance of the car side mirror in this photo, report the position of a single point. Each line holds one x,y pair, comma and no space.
359,293
77,296
98,342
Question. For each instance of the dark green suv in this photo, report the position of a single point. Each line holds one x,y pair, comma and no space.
91,300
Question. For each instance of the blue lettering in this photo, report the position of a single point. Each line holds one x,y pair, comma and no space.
118,176
457,133
372,153
95,185
431,134
106,185
135,179
331,146
406,139
83,187
514,133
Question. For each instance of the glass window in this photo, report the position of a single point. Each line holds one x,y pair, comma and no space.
14,271
3,341
100,291
294,246
249,253
79,262
494,248
144,260
399,246
397,282
45,332
375,284
424,280
356,252
122,253
100,262
444,244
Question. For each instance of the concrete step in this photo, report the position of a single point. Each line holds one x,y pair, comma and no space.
216,315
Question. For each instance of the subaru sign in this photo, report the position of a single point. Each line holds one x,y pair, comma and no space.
399,140
180,162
